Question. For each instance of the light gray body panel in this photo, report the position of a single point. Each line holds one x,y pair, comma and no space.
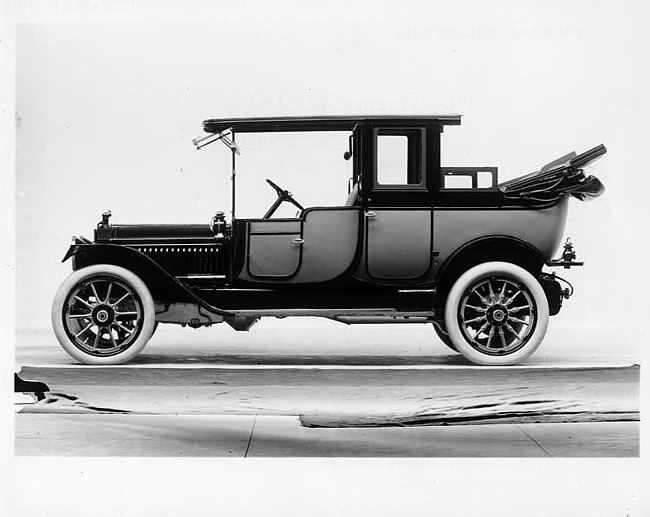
398,243
277,226
541,228
273,255
330,238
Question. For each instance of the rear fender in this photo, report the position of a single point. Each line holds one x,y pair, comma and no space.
487,249
163,286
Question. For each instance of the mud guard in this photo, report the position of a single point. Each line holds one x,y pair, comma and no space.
163,286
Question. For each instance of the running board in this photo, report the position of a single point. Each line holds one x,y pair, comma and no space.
356,320
309,302
354,315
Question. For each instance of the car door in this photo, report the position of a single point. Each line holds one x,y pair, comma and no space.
319,247
398,215
274,248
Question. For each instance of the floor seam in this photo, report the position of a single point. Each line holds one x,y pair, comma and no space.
534,441
250,438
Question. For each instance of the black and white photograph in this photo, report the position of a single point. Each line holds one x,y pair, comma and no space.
325,259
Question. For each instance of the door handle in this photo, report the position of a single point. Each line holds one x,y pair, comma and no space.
370,214
298,240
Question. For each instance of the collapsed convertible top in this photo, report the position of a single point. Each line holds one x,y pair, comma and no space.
559,177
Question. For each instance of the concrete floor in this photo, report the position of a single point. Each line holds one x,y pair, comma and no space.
275,436
216,392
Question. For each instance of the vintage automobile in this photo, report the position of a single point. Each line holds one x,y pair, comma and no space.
415,242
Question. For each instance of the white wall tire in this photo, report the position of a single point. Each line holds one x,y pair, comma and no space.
103,315
496,314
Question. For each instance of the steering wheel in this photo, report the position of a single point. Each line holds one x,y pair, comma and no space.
283,195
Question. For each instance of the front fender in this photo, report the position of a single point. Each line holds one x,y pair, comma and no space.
163,286
71,251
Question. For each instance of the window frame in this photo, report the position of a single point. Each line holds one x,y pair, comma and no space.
410,132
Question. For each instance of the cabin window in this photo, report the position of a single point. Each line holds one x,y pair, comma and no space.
465,178
399,158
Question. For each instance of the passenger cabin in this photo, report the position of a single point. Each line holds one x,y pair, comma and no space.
384,230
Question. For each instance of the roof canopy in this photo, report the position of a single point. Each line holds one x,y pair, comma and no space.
323,123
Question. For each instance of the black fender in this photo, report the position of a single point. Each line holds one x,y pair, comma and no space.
503,248
163,286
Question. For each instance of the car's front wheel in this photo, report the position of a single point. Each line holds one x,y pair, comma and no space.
103,314
496,314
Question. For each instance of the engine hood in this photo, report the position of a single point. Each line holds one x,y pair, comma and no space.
155,233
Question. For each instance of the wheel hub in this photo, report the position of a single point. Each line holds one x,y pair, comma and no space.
497,315
103,315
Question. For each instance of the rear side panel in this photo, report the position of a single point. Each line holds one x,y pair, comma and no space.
541,228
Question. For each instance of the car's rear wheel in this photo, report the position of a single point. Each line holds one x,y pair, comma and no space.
496,314
103,314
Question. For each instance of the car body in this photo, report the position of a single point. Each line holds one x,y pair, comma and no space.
410,245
